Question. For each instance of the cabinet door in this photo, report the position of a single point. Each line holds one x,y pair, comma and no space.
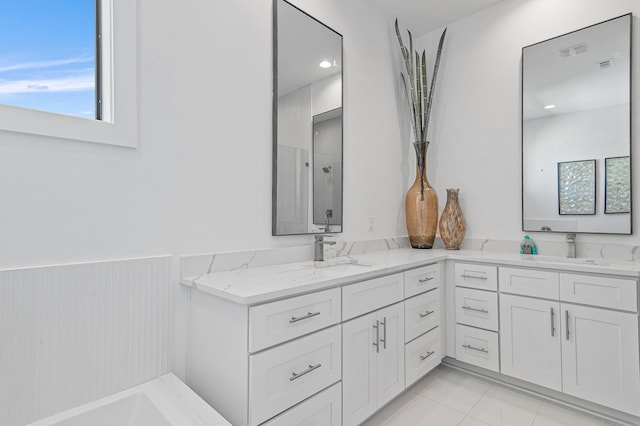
600,357
359,389
391,356
530,340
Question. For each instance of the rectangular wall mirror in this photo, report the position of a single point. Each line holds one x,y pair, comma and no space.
307,124
576,106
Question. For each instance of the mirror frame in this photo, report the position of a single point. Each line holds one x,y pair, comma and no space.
522,145
274,121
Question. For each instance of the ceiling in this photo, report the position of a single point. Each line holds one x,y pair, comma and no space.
299,56
423,16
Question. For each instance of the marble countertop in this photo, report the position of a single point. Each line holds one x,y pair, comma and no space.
262,284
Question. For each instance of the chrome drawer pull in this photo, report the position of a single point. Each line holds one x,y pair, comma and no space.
309,315
476,349
553,323
474,277
469,308
428,354
384,338
566,318
377,342
426,314
426,279
307,371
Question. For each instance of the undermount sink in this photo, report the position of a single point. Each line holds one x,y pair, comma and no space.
339,263
570,260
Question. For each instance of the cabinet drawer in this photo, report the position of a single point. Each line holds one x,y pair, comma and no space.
323,409
477,347
607,292
421,314
277,322
529,282
483,277
423,279
477,308
422,355
285,375
367,296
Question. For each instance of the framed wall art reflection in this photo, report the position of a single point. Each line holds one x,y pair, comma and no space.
577,187
617,185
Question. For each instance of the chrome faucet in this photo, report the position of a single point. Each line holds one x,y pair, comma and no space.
318,247
571,239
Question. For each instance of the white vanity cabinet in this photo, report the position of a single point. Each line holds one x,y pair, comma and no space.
373,362
329,357
423,312
530,340
476,315
600,359
252,363
388,347
548,337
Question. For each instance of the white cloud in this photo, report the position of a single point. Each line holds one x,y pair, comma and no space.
44,64
71,84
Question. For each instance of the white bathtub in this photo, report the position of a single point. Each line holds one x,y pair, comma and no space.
165,401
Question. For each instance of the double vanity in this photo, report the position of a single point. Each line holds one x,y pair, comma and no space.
333,343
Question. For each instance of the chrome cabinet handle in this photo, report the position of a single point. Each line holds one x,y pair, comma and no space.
304,317
424,280
476,349
384,335
377,342
475,277
426,314
469,308
566,319
553,323
427,355
295,376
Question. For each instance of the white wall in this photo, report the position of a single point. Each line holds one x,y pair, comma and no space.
476,131
200,180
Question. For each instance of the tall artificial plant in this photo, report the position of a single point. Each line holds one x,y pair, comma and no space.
414,79
420,97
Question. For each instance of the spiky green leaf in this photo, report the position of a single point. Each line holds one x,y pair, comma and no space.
436,66
413,116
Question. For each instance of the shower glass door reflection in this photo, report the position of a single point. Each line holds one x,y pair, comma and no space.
327,168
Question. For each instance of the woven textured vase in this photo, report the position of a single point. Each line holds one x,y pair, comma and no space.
452,223
421,204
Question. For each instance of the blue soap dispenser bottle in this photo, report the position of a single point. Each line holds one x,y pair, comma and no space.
527,246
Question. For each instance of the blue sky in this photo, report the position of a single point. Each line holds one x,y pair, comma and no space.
47,55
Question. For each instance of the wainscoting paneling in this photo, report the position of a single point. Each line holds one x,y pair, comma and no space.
74,333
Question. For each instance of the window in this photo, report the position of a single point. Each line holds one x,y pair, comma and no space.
48,56
68,69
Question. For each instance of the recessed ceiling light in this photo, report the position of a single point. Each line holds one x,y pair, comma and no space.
549,106
325,64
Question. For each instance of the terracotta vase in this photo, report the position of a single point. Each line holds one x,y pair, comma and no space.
421,204
452,223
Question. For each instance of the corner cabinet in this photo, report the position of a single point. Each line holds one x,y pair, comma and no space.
331,357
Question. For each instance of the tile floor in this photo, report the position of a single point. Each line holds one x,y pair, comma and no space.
450,397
